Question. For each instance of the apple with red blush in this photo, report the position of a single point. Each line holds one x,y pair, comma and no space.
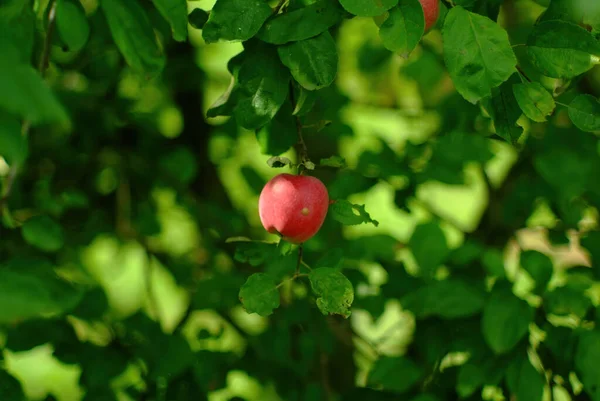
293,206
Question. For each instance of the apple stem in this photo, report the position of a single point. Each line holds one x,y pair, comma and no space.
300,146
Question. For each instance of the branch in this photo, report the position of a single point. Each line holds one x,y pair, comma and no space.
25,127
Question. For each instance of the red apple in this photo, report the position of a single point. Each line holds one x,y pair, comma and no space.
431,9
294,206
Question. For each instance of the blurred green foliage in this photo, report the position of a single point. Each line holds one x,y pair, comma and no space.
460,255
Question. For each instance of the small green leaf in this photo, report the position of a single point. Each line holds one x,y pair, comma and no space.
235,20
505,111
24,93
260,294
333,290
404,27
134,36
302,23
305,102
175,12
254,252
333,161
539,267
346,213
506,320
43,233
429,246
72,24
448,299
584,111
367,8
198,18
13,145
534,100
313,62
397,374
477,52
278,162
560,49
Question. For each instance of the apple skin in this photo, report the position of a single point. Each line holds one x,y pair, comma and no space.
431,9
294,206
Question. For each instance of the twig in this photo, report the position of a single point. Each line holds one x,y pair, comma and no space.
25,127
300,252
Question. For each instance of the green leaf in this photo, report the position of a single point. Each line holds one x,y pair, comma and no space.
43,233
367,8
235,20
404,27
29,288
477,53
397,374
278,162
134,36
305,102
539,267
506,111
259,294
566,300
584,111
24,93
313,62
350,214
71,24
198,18
586,360
301,24
534,100
175,12
17,32
524,380
280,134
429,247
254,252
470,378
448,299
506,320
560,49
263,85
333,161
333,290
13,145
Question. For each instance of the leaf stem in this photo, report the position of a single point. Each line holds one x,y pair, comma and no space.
25,127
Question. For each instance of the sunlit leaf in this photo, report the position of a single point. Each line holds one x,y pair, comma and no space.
477,53
333,290
259,294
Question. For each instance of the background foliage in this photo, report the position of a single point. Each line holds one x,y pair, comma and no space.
460,260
